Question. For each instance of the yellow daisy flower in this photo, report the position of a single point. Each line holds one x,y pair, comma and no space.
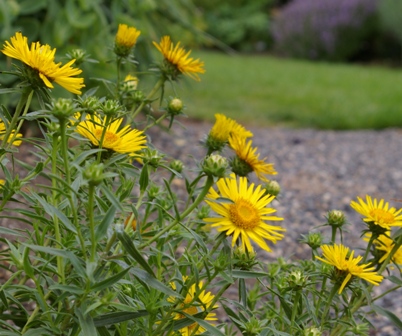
192,306
220,132
3,131
378,212
347,266
40,58
385,244
247,160
126,140
178,57
245,217
224,127
126,38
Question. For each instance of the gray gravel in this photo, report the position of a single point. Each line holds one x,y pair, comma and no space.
318,171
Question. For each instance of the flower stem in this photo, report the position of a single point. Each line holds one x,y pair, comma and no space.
328,305
91,197
197,201
294,310
155,89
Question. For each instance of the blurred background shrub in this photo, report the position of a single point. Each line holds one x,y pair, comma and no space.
325,29
241,24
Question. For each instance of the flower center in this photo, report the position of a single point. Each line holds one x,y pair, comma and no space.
244,215
382,217
110,139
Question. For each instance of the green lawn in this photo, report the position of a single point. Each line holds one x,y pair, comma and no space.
261,90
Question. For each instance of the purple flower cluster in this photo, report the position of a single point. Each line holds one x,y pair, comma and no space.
317,29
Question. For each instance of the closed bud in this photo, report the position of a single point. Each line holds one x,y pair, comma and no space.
360,329
312,331
336,218
176,165
240,167
244,260
63,108
203,212
152,157
313,239
252,327
272,188
130,84
89,104
94,173
297,280
79,55
215,165
153,191
175,106
110,107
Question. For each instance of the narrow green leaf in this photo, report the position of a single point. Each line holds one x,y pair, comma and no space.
53,211
68,288
152,282
144,178
395,280
176,210
243,292
101,229
111,197
209,327
109,281
390,315
3,299
84,155
75,261
86,322
8,231
132,250
248,274
117,317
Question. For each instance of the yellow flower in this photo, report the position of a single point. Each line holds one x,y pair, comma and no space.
40,58
378,213
3,131
385,244
126,140
347,266
125,39
247,160
192,305
224,127
244,217
178,57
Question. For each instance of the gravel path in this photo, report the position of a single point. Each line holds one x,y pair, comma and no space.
318,171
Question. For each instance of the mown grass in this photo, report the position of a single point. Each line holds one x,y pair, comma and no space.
262,90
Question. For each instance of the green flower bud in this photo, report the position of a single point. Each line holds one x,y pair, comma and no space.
152,157
175,106
153,191
252,327
336,218
94,173
215,165
79,55
312,331
129,84
63,108
240,167
138,96
297,280
111,107
272,188
313,239
244,260
90,104
203,212
360,329
176,165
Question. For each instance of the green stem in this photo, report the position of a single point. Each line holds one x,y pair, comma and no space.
26,98
294,310
91,198
328,305
155,89
118,64
197,201
333,236
370,243
156,122
60,260
66,166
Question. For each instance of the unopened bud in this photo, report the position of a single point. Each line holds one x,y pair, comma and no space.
272,188
312,331
336,218
63,108
94,173
111,107
176,165
215,165
175,106
313,239
297,280
244,259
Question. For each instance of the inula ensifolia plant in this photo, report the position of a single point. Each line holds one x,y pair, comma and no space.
112,247
323,29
